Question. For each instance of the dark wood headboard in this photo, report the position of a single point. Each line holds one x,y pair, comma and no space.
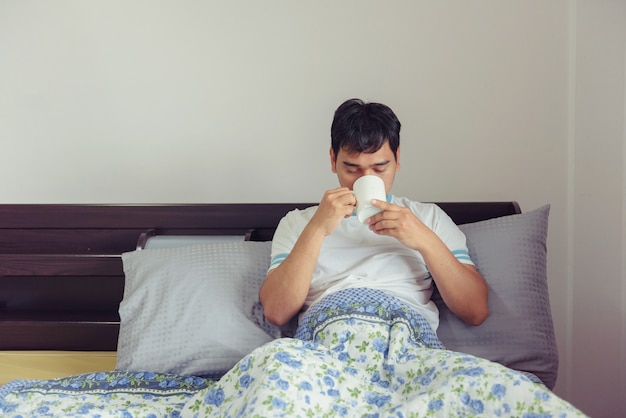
61,276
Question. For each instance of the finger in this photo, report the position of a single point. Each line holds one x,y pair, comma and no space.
341,195
389,211
382,228
346,195
381,204
348,202
375,218
378,222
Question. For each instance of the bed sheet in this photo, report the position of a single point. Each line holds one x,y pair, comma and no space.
359,353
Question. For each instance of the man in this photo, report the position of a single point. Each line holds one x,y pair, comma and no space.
401,250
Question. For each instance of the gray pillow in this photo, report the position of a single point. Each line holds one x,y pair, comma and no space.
510,253
192,310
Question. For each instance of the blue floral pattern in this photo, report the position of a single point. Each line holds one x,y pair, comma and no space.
359,353
362,353
110,394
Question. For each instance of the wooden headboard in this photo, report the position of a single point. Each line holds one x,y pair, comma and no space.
61,276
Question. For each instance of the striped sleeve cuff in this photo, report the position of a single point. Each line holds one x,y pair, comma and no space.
462,256
277,259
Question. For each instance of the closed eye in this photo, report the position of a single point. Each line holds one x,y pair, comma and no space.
378,167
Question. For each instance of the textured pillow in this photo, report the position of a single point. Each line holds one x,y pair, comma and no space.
510,253
192,310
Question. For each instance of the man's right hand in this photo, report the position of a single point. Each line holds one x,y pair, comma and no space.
336,205
285,288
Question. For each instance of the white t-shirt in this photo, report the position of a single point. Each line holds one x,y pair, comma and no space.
353,256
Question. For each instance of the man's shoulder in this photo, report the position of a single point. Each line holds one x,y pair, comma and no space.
303,212
299,215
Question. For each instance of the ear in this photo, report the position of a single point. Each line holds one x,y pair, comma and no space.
333,161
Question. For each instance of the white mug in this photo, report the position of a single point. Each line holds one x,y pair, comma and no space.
365,189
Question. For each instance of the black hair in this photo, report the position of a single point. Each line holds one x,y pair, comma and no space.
364,127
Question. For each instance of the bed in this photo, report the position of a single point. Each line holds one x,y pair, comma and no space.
152,310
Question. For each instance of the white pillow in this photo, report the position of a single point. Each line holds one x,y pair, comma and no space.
192,310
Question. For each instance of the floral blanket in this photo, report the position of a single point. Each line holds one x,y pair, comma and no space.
110,394
361,353
358,353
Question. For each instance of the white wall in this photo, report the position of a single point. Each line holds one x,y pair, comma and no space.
189,101
597,209
167,100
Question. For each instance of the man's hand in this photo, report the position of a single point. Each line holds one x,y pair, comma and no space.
335,205
399,222
461,286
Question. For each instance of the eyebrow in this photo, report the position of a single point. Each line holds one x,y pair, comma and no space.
380,164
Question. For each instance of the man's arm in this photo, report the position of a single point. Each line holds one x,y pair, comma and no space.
462,288
285,288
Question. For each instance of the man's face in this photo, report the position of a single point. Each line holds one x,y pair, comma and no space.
350,166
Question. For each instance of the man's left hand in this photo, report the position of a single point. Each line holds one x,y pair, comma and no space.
399,222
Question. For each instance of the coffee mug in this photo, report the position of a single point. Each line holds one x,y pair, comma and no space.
365,189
